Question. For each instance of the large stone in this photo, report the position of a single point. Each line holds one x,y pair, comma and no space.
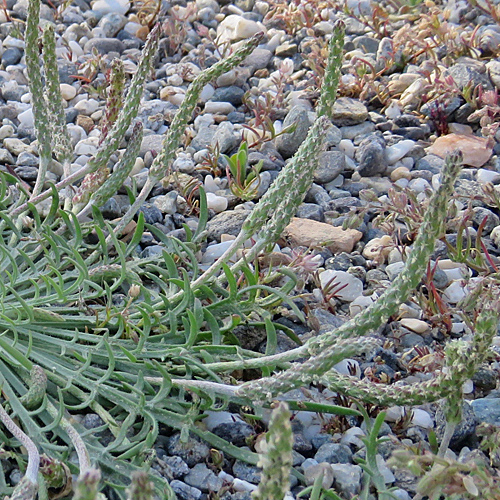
475,150
470,73
302,232
347,111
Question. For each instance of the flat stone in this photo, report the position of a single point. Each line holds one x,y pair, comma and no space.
184,491
465,74
152,142
312,233
475,150
228,222
102,7
104,45
347,111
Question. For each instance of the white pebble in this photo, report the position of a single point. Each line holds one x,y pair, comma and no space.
241,485
352,286
495,234
175,80
359,304
419,185
455,292
103,7
398,150
348,367
206,93
213,252
352,436
87,106
422,419
26,118
68,92
393,413
216,203
484,176
347,147
393,111
218,108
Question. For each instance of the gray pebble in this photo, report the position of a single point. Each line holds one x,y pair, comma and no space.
202,478
465,429
330,165
192,452
151,213
11,56
246,472
184,491
228,222
104,45
487,410
334,453
26,173
371,157
347,479
310,211
231,94
288,144
481,213
111,209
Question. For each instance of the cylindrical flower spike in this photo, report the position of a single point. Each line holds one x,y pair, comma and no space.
114,101
40,111
276,461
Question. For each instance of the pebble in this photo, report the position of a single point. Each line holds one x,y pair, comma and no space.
487,410
397,151
415,325
288,144
309,233
367,146
347,479
102,7
476,151
68,92
347,111
235,27
422,419
371,156
346,286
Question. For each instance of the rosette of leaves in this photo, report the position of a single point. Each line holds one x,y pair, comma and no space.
244,180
